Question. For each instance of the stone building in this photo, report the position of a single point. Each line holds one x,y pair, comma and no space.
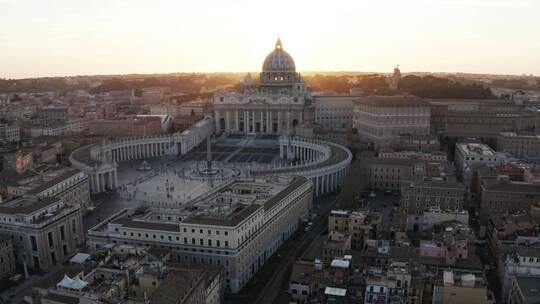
425,194
483,119
10,133
385,173
17,162
275,106
519,145
361,225
45,231
337,244
334,112
132,126
381,120
503,195
471,156
7,256
524,290
238,225
69,185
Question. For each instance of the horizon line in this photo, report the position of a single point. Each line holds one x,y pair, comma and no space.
245,72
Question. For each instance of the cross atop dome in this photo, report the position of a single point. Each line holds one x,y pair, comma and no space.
279,46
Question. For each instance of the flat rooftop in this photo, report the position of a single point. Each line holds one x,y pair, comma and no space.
226,205
392,101
475,149
26,205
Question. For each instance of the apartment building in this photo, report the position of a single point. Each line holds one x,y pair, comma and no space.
470,156
425,194
504,195
520,145
7,256
131,126
361,225
45,231
10,133
68,184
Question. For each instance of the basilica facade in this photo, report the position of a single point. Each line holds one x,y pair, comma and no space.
279,103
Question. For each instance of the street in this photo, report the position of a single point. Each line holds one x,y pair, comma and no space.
268,283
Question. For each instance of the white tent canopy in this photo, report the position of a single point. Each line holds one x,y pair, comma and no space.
70,283
66,282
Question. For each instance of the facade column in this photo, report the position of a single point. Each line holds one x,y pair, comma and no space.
253,121
228,120
91,182
271,123
246,121
279,121
217,122
237,121
327,183
95,182
267,121
317,186
100,183
262,121
288,120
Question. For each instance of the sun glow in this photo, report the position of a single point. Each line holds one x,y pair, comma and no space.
106,37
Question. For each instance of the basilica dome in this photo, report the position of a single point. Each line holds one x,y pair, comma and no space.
278,60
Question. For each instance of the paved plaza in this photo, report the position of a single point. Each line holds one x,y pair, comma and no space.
168,181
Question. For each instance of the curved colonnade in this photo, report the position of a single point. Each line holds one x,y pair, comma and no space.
324,163
99,161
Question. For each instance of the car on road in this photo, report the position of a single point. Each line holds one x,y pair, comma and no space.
372,194
387,192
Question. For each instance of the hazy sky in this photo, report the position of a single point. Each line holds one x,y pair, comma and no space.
76,37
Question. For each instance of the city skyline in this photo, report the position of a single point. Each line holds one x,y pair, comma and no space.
67,39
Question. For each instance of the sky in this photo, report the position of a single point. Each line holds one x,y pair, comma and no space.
80,37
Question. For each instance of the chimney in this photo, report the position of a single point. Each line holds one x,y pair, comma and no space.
503,179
